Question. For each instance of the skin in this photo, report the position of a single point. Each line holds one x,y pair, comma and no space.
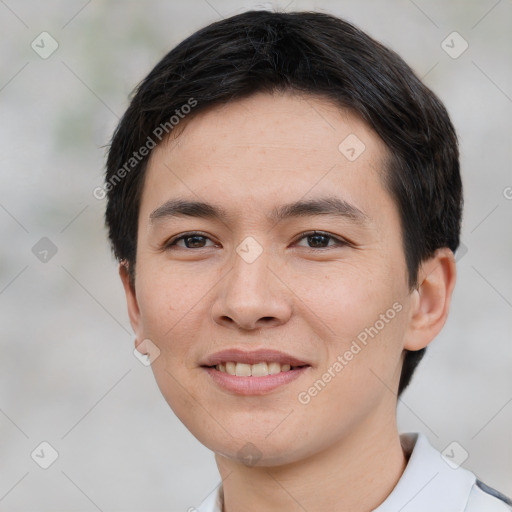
341,451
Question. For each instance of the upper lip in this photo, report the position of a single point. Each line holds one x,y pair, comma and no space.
252,357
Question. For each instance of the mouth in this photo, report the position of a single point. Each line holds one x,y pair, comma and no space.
261,369
253,373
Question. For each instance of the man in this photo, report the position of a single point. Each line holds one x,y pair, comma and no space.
285,202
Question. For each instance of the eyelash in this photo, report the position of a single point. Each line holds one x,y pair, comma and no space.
338,241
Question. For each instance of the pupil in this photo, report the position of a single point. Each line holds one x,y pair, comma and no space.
196,241
317,240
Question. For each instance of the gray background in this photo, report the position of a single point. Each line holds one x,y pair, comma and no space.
67,372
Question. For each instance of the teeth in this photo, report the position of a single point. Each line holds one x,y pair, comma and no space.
243,370
230,368
259,370
255,370
274,368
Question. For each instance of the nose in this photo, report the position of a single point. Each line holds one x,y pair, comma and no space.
252,296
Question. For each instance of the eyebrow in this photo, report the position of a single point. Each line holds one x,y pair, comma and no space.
333,206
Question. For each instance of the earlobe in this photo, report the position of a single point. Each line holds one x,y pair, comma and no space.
131,297
431,300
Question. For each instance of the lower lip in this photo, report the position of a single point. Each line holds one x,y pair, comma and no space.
254,385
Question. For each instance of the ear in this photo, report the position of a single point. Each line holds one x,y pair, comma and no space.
431,299
131,300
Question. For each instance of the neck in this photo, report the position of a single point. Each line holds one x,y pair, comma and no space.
356,474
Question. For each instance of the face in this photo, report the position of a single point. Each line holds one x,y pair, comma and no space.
293,265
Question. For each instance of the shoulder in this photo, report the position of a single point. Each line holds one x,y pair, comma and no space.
433,482
483,498
430,482
212,503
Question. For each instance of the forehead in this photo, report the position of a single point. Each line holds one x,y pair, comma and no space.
257,150
280,121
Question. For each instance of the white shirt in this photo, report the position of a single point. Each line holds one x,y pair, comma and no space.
428,484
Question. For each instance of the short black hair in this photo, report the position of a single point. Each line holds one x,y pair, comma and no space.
305,52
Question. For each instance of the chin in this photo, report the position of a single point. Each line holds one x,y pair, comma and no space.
253,455
255,450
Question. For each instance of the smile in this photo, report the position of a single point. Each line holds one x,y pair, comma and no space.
254,372
260,369
251,384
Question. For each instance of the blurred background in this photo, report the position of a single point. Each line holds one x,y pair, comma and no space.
68,376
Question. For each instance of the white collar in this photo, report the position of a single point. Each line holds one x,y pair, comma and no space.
428,483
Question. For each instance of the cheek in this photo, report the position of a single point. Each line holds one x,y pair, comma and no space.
347,298
362,318
170,308
166,301
361,370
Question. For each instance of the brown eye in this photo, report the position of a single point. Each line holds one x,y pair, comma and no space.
320,240
190,241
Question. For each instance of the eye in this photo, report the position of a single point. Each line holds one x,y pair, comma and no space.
320,240
192,240
198,240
